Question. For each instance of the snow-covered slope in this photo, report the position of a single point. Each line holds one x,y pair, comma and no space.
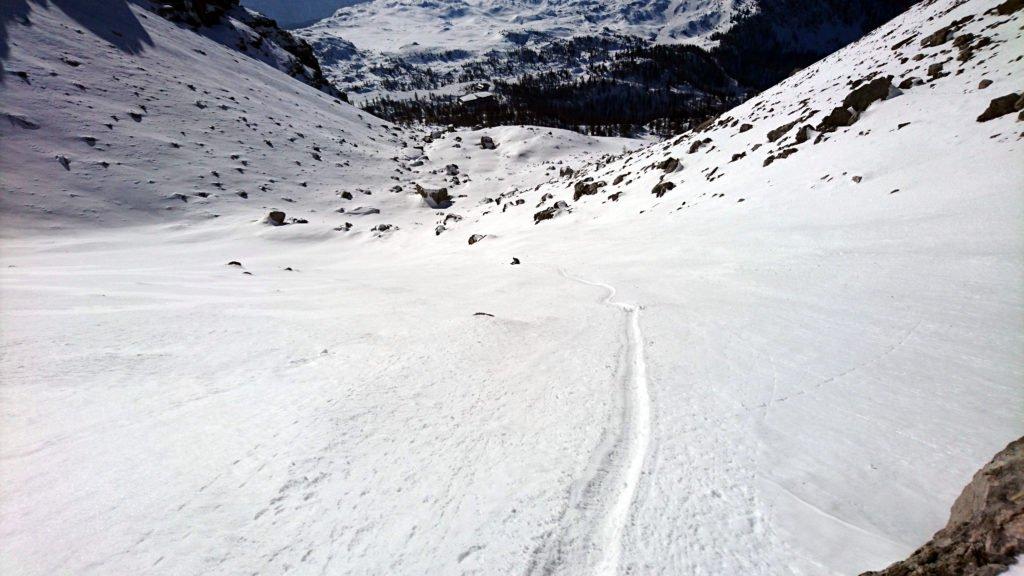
119,117
253,34
800,382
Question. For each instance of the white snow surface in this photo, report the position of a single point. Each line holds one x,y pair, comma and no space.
798,383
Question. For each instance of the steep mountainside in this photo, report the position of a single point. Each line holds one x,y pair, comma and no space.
780,343
251,33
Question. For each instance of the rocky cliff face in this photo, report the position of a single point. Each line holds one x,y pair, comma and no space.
985,532
253,34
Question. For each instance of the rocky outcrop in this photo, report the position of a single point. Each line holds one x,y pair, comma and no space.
586,189
661,188
275,218
435,197
549,213
668,165
870,92
985,532
1002,106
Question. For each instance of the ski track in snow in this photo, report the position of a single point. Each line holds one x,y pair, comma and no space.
611,486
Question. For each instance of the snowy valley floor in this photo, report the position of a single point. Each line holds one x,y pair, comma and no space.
809,401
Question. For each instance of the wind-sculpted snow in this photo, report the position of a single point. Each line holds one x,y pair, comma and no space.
813,344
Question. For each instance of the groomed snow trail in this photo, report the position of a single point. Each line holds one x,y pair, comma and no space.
589,538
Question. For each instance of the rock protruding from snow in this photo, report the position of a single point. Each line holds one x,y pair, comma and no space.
435,197
985,532
586,188
548,213
1002,106
868,93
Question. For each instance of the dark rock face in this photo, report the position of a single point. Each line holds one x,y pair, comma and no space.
661,188
586,189
838,117
435,198
936,38
669,165
804,133
276,218
1000,107
865,95
487,143
781,131
985,532
549,213
1008,7
476,238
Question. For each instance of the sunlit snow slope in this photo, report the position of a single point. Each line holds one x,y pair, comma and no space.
800,382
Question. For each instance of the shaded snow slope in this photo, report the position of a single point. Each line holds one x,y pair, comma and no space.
798,383
160,122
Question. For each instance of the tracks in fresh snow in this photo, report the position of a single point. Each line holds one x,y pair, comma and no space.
588,539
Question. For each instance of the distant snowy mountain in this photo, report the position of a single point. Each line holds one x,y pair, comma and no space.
478,25
604,66
292,13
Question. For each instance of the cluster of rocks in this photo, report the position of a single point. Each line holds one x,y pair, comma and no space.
856,102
